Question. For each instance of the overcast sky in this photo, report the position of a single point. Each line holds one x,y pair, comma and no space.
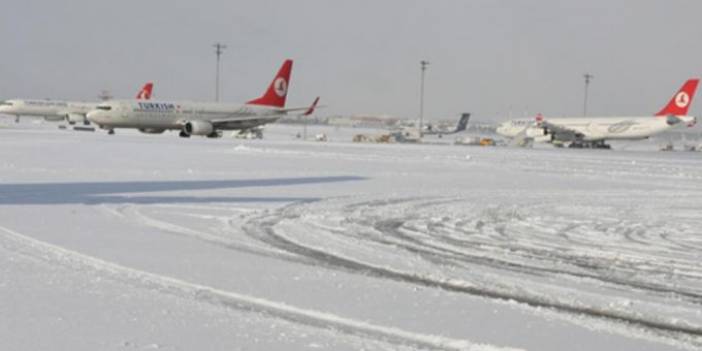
487,57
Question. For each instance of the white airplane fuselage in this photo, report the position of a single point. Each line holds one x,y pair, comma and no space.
597,128
52,110
199,118
594,131
173,115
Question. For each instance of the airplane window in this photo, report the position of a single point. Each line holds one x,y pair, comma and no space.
105,108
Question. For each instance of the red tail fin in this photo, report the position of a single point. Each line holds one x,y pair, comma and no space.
681,101
539,118
145,92
278,90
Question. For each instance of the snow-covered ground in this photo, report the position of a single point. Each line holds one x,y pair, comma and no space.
131,242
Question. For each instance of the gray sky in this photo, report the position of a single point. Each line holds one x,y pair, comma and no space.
362,56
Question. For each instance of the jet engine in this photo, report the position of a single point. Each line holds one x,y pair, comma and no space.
198,128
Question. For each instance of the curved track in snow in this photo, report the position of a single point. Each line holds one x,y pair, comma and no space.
18,242
583,261
584,266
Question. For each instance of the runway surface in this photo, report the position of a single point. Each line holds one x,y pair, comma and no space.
156,242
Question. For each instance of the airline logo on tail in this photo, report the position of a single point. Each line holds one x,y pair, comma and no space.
278,89
145,92
281,87
681,101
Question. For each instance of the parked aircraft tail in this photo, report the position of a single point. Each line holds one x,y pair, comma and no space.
145,92
462,123
680,102
278,89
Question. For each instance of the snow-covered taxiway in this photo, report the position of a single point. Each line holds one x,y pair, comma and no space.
154,242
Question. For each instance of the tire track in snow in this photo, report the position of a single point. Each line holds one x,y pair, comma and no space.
430,251
263,228
56,254
132,213
443,254
588,268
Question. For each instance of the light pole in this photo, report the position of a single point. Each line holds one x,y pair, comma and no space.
304,128
219,49
423,64
588,77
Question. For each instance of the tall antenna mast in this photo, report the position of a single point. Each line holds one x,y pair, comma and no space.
219,50
423,64
588,77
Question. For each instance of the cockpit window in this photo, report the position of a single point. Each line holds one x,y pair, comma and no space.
6,103
104,107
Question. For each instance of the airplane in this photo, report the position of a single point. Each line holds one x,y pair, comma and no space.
593,132
460,126
59,110
199,118
411,134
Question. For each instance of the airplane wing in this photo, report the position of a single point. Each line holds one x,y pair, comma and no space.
308,110
245,122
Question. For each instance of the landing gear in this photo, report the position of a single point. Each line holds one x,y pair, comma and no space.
599,144
214,134
110,132
183,134
17,118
